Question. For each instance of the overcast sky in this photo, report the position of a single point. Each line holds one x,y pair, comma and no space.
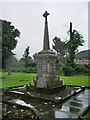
27,18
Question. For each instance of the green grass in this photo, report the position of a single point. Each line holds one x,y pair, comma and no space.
16,79
76,80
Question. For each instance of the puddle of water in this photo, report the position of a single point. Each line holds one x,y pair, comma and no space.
65,108
75,104
76,99
60,114
72,107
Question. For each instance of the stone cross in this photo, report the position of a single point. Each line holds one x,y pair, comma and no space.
45,15
46,59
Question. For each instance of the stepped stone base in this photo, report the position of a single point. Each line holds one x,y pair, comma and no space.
47,82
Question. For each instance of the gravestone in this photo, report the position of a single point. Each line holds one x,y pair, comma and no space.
45,60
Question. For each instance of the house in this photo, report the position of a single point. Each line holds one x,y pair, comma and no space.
83,57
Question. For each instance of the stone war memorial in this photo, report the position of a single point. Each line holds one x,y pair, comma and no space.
46,97
45,59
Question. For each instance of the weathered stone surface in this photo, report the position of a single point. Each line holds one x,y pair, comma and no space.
46,34
45,59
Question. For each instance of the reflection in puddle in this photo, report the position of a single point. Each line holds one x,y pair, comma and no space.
74,103
74,110
60,114
72,107
76,99
65,108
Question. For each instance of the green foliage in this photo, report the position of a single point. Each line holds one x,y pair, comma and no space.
73,44
27,65
69,71
83,69
66,53
19,66
59,46
63,68
60,63
10,62
9,41
29,70
87,116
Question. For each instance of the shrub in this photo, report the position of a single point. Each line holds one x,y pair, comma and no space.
69,71
29,70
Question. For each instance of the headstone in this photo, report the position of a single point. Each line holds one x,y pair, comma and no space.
45,59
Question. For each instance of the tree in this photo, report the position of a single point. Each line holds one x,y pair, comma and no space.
29,66
9,40
26,58
76,40
11,64
67,50
59,46
26,52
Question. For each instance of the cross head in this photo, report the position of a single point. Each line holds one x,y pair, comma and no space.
45,15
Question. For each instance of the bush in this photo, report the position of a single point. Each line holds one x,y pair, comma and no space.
69,71
64,68
83,69
22,69
29,70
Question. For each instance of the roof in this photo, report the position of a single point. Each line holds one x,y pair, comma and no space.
83,54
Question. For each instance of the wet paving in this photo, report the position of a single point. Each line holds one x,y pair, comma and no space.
72,108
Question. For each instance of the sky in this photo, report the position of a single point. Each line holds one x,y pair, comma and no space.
27,18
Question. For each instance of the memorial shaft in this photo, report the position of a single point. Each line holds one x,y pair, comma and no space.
45,60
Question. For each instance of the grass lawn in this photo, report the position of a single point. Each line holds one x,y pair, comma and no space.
16,79
76,80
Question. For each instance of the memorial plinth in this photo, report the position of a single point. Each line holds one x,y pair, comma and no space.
45,60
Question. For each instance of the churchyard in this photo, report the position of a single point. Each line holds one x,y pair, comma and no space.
46,94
